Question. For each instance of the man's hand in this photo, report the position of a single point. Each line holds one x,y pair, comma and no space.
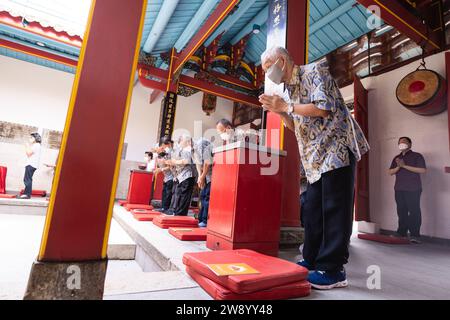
400,162
201,181
273,103
169,162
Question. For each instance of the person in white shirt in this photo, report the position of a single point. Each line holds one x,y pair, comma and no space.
33,152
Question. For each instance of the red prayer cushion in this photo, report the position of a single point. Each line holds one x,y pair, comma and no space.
273,272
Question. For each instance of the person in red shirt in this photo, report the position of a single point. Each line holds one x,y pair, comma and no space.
407,168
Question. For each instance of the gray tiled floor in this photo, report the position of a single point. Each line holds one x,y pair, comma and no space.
407,272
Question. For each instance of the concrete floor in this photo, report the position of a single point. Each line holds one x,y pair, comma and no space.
407,272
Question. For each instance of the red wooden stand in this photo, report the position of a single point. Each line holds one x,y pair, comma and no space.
245,206
158,187
140,187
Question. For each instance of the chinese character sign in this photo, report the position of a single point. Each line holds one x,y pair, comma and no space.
168,118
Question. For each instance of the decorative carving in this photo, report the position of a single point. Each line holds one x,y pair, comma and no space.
209,103
244,114
186,91
147,59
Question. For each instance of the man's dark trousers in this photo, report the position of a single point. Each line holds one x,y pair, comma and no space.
28,180
167,194
328,218
183,194
409,202
204,198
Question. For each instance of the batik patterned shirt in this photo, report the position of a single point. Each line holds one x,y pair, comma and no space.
203,152
324,143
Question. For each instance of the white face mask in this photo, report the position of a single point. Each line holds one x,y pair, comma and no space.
275,73
167,150
403,146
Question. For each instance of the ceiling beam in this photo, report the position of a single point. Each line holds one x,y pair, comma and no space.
244,5
201,15
201,85
37,53
260,19
219,14
330,17
165,13
404,21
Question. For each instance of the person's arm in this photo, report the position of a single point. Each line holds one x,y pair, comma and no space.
29,150
394,171
394,168
419,170
415,169
278,105
288,121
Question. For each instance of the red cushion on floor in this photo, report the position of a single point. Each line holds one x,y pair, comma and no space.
7,196
145,216
130,206
274,272
189,234
173,225
122,202
36,193
145,211
217,292
177,219
383,238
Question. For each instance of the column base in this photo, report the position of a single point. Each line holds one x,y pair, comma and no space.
66,281
291,237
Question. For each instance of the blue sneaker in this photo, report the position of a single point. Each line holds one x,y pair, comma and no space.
202,225
325,280
304,264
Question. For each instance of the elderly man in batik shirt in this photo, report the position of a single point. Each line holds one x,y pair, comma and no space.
330,143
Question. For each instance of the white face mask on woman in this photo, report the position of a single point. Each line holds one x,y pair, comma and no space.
275,73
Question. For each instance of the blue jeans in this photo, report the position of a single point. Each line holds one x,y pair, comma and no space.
204,198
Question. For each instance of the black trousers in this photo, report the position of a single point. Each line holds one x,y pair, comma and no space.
328,218
28,180
409,213
183,196
204,198
173,201
167,194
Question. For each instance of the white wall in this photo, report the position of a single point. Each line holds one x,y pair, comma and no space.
38,96
142,130
388,121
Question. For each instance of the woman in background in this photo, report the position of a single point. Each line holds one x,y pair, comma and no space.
33,152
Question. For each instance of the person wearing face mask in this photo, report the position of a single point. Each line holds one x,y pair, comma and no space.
226,131
33,152
149,161
330,143
165,153
407,168
203,158
182,161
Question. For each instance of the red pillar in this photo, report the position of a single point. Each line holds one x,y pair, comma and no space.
297,44
83,192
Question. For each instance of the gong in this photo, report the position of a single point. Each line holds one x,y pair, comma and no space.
423,92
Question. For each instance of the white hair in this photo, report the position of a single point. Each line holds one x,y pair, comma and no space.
273,53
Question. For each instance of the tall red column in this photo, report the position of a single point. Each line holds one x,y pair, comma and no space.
83,192
296,13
